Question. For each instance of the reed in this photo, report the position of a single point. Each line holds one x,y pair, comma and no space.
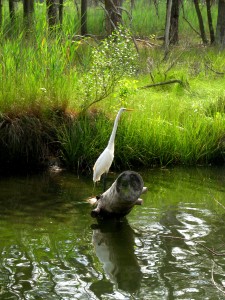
160,132
176,135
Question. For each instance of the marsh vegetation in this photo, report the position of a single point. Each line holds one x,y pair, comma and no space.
60,94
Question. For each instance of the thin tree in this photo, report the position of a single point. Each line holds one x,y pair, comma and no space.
61,12
132,4
12,13
0,14
167,28
174,22
28,13
52,12
210,22
220,27
113,14
200,21
83,17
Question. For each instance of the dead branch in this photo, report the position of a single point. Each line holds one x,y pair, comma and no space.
120,198
197,242
173,62
146,42
191,26
219,203
214,71
161,83
107,14
213,281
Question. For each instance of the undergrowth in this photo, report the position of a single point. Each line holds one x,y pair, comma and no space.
59,97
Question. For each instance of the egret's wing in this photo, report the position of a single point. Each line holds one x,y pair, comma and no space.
102,164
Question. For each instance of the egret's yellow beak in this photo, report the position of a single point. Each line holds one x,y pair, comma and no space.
129,109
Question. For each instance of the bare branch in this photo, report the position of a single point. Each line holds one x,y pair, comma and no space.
161,83
211,69
213,281
197,242
106,12
191,26
219,203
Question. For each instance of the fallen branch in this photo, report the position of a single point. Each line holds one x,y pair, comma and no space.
120,198
161,83
213,281
214,71
146,42
197,242
219,203
191,26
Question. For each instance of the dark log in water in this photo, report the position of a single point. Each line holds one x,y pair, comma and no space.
121,197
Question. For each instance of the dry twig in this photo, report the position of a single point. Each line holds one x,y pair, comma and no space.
213,280
213,252
161,83
214,71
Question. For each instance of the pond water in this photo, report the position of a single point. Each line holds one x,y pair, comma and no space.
171,247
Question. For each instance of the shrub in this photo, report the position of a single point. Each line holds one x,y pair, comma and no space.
114,59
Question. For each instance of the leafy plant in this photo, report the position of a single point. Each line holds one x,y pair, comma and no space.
114,59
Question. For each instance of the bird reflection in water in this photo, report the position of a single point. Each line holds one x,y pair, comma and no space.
114,246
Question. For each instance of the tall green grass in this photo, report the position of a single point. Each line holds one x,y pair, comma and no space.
45,80
149,136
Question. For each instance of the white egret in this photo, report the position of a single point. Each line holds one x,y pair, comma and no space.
105,160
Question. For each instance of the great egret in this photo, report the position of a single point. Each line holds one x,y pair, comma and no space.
105,160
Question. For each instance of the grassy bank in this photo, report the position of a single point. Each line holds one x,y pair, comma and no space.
174,124
46,84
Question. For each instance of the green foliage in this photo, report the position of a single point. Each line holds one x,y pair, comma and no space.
165,132
114,59
78,147
45,81
32,75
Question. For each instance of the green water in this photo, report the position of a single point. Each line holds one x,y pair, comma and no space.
169,248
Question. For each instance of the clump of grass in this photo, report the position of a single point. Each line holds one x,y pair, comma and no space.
168,139
26,142
160,133
82,138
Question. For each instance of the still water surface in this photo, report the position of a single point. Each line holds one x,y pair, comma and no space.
170,248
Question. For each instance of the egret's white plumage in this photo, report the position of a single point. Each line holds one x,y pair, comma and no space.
105,160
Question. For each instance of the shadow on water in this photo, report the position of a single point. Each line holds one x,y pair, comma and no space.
169,248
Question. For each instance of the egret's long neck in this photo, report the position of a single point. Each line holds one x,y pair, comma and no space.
113,134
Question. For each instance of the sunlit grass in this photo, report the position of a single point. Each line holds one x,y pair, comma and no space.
41,77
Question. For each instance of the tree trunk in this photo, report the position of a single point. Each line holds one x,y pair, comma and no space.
52,11
28,13
83,17
0,14
113,15
12,11
121,197
61,12
174,22
210,22
200,21
132,4
167,29
220,28
156,4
